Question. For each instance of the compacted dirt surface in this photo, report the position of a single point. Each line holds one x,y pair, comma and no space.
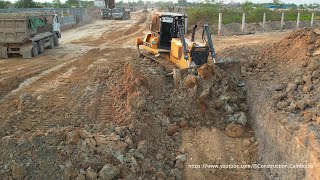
90,109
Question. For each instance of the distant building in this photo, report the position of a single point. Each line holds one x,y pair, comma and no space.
276,6
99,3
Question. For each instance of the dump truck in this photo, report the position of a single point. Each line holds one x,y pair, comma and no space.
115,13
28,34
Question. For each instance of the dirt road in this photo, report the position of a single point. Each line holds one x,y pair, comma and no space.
73,86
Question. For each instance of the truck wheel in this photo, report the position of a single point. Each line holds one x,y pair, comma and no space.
35,49
55,39
40,46
51,41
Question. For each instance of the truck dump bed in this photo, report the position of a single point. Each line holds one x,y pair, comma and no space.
15,27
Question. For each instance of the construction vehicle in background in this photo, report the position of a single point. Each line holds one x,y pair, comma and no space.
28,34
127,13
167,45
111,12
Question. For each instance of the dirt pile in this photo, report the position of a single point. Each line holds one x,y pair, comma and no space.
213,98
301,96
297,46
144,141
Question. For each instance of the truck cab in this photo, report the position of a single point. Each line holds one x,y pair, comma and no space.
118,13
106,13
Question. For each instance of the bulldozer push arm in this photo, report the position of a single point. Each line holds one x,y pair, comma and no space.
209,41
183,41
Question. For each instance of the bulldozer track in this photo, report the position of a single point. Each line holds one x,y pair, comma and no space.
105,108
167,65
105,105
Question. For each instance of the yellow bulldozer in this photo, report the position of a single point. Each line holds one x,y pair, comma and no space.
166,43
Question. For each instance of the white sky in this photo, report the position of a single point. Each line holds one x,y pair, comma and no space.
226,1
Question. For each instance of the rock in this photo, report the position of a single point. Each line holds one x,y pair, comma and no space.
69,171
243,107
307,87
72,137
205,71
205,93
159,157
120,130
228,109
109,172
25,98
80,177
282,104
301,104
313,65
234,130
18,171
183,123
307,79
279,96
91,174
190,81
292,107
218,103
83,134
279,87
246,142
291,87
311,102
173,128
179,165
299,81
316,73
142,147
309,115
161,176
256,143
113,137
318,120
175,173
242,119
182,157
141,102
91,143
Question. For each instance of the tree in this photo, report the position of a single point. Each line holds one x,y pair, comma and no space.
5,4
209,1
72,3
140,3
247,6
182,2
25,4
277,2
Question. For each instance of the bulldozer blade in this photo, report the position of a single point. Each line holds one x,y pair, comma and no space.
232,67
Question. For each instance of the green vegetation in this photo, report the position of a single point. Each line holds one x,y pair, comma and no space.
254,14
5,4
53,4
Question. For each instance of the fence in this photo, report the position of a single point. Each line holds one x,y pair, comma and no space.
245,23
70,16
282,23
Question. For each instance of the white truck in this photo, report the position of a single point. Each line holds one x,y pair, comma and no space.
28,34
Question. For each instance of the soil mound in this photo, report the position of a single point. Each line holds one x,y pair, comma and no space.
297,46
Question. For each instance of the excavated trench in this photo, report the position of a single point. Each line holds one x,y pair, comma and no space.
282,79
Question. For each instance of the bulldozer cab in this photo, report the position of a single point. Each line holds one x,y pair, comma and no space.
166,26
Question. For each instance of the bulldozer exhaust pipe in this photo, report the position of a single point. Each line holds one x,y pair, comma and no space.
193,32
